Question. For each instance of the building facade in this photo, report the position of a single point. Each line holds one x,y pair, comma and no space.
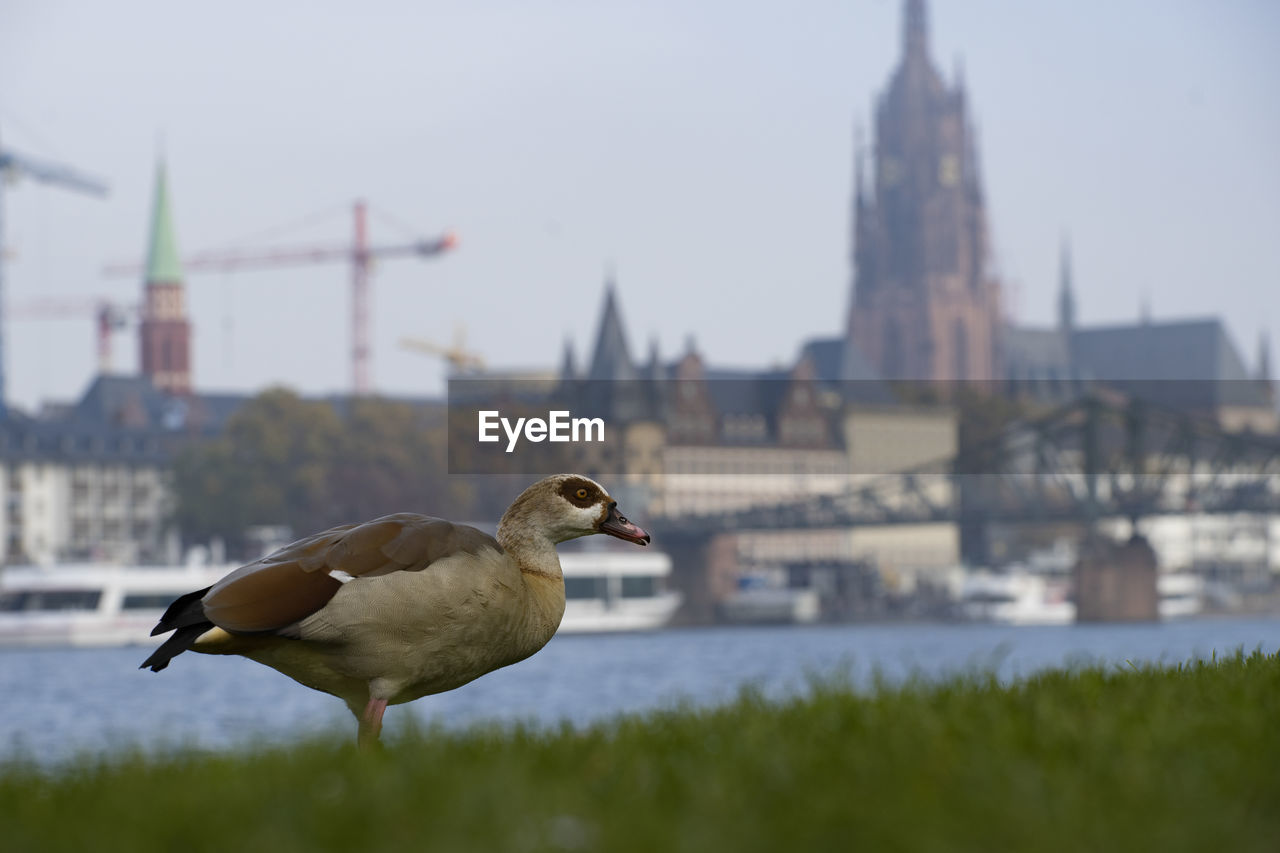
695,439
79,490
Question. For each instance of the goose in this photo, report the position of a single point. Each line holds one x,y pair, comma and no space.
402,606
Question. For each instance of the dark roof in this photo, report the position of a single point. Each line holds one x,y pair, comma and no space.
128,401
1194,360
1181,350
835,360
118,419
132,402
827,357
1183,361
746,392
1036,354
27,439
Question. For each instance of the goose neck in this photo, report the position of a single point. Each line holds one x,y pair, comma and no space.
532,552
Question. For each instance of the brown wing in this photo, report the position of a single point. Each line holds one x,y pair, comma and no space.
292,583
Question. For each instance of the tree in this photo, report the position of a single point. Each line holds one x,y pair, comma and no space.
283,460
391,458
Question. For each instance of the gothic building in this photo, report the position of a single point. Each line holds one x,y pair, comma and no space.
1186,363
925,305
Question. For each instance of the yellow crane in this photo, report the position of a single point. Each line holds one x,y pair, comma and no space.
460,359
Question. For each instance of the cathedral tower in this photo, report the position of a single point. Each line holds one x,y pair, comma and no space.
165,332
925,305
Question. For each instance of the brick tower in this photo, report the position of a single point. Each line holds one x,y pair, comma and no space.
924,305
165,332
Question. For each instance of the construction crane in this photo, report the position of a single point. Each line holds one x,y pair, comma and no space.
457,356
108,317
360,255
12,167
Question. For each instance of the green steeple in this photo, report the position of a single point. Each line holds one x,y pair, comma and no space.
162,256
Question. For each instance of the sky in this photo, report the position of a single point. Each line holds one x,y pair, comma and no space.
702,152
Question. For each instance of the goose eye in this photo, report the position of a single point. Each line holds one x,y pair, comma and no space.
582,494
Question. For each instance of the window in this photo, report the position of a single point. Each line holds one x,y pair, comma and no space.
587,587
645,586
53,599
149,600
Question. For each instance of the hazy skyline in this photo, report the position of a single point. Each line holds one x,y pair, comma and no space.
703,151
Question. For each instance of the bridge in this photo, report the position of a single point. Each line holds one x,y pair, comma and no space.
1100,456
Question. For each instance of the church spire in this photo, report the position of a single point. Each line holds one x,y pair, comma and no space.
653,370
569,363
611,359
162,252
859,165
915,31
1264,356
164,335
1066,290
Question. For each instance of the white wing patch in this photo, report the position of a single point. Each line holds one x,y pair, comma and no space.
341,576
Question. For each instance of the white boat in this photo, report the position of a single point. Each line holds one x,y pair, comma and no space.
610,590
1017,598
1020,597
88,604
1181,594
105,605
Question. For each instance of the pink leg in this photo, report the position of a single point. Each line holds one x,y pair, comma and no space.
371,723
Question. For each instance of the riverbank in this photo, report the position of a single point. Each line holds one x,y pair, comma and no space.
1180,758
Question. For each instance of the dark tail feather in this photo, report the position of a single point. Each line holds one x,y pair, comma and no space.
175,645
185,617
185,610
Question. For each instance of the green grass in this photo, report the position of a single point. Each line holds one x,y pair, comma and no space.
1184,758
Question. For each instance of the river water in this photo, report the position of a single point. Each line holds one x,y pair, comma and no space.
56,704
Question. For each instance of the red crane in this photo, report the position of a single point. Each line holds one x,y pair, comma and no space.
359,253
108,317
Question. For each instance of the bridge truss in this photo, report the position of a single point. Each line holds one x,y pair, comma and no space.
1096,457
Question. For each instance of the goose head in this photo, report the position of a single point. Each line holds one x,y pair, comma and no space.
567,506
